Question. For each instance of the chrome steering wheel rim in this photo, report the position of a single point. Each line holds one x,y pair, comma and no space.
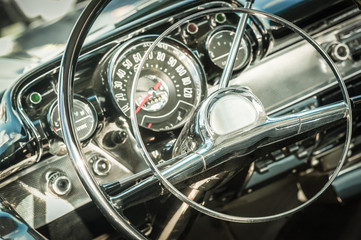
65,96
170,187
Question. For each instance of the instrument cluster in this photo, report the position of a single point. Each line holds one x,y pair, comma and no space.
176,74
172,83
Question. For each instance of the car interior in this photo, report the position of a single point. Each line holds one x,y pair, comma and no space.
180,119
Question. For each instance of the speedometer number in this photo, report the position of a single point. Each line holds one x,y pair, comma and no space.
180,70
120,97
127,64
188,92
121,73
186,81
161,56
172,61
137,57
118,84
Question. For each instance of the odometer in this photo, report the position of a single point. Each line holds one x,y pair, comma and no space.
170,87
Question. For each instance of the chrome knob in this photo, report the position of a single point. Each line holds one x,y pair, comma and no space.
338,51
58,183
57,148
101,166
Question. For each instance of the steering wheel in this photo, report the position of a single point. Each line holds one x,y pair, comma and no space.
204,141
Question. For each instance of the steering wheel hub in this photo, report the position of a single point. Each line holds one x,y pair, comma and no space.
234,110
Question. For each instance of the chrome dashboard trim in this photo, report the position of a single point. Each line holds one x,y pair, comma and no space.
281,60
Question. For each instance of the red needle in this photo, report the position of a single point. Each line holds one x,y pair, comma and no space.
142,103
147,97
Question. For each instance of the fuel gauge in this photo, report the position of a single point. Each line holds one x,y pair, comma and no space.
219,44
85,119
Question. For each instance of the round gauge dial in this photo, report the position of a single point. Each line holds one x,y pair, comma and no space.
170,86
219,45
85,119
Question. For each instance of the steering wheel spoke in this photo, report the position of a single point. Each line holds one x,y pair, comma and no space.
234,120
306,121
273,130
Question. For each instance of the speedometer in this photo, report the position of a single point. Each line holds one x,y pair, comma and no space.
170,86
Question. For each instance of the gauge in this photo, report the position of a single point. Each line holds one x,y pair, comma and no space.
219,44
170,86
85,119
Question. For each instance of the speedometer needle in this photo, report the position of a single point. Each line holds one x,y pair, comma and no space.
147,97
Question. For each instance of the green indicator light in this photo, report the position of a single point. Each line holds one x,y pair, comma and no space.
35,98
221,18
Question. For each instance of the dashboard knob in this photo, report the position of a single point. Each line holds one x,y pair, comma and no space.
59,184
101,166
112,139
57,148
338,51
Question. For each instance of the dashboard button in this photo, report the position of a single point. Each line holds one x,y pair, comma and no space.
58,183
101,166
338,51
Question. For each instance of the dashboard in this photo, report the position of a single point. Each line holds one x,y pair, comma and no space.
283,71
176,78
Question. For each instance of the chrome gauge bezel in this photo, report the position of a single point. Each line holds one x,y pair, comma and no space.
187,58
78,100
246,40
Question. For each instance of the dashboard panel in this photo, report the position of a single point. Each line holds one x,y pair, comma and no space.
272,63
102,88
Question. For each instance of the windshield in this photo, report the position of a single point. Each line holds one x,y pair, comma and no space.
38,30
